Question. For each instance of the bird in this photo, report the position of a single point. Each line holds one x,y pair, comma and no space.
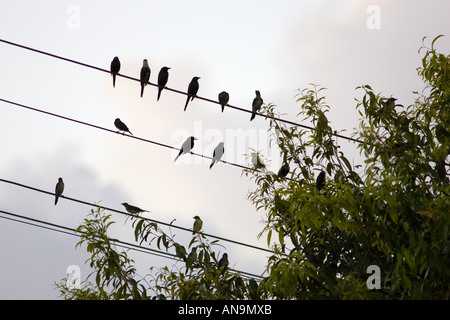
223,262
440,169
133,209
224,97
198,224
180,251
284,170
217,154
320,181
145,75
256,105
192,90
391,103
186,146
163,77
193,254
115,68
121,126
59,189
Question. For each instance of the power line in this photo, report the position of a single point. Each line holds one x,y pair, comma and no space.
170,89
116,132
131,215
119,243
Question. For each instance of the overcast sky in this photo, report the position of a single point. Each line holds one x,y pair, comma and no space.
276,47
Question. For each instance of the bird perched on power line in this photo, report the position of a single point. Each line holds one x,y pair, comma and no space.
115,68
163,77
192,90
121,126
223,262
256,105
186,146
320,181
59,189
224,97
180,251
145,75
193,254
217,154
198,224
133,209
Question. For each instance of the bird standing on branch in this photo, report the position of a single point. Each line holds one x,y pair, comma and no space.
163,77
320,181
256,105
59,189
198,224
133,209
145,75
217,154
186,146
224,97
223,262
115,68
284,170
192,90
121,126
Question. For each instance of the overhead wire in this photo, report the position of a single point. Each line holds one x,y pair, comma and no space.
131,215
169,89
119,243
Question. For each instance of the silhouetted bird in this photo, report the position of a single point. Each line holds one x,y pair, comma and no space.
133,209
440,168
59,189
284,170
312,258
163,77
217,154
192,90
223,262
198,224
256,105
224,97
121,126
391,103
186,146
145,75
320,181
115,68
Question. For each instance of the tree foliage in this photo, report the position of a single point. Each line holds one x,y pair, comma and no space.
392,211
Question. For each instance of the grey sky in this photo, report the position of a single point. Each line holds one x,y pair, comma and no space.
275,47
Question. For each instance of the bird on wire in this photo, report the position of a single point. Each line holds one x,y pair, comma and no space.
217,154
59,189
256,105
163,77
192,90
133,209
121,126
115,68
186,146
198,224
145,75
224,97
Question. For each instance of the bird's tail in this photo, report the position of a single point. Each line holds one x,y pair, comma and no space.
253,116
177,157
114,80
56,200
159,93
142,90
187,101
212,163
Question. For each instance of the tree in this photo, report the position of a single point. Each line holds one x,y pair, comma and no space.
393,213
